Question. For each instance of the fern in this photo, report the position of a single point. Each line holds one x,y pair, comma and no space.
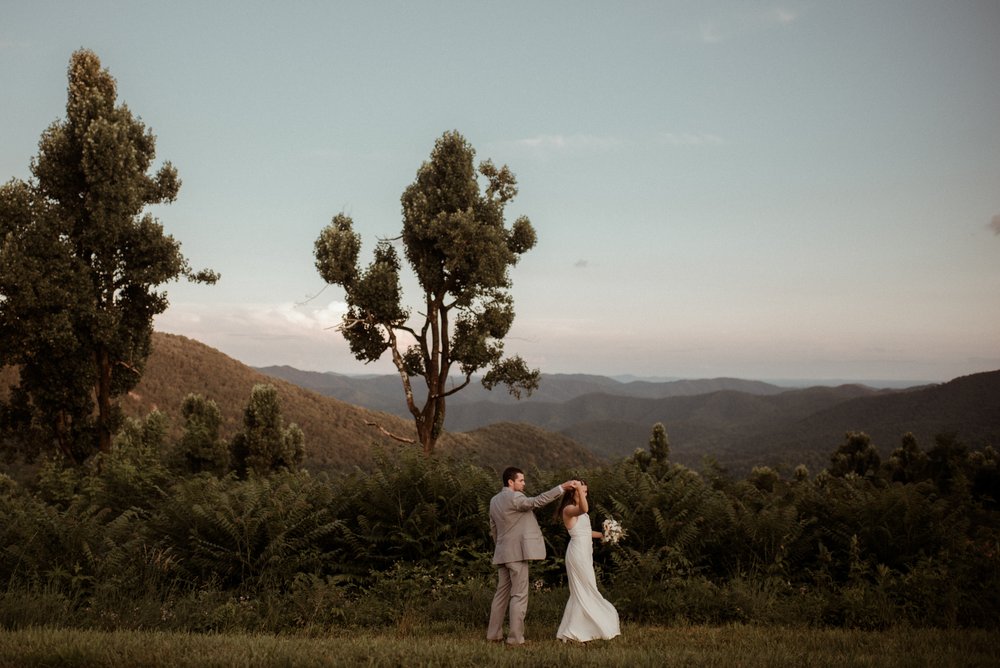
246,533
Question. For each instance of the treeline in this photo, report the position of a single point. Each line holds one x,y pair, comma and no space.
137,539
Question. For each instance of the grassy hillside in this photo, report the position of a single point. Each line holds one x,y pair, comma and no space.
539,448
336,434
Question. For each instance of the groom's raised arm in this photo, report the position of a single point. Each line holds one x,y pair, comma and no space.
526,503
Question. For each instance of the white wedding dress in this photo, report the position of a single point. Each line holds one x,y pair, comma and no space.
588,616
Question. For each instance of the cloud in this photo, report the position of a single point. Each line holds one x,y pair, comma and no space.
277,333
256,321
995,224
570,142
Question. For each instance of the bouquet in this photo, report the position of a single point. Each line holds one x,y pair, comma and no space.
613,532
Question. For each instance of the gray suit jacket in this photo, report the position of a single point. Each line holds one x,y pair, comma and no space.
514,527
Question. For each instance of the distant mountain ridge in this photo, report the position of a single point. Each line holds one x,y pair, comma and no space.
384,391
740,423
575,420
967,407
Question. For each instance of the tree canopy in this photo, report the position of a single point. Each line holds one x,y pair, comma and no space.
266,444
81,261
458,245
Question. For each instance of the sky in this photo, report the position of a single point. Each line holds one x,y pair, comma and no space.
768,190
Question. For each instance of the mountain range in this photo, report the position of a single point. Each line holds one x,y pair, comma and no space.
739,423
572,420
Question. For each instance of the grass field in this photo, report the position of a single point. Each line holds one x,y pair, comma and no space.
743,646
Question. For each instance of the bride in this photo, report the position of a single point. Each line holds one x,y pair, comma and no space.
588,615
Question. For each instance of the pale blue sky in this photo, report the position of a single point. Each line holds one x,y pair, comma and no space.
752,189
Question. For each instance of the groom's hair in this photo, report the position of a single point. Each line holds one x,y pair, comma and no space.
510,473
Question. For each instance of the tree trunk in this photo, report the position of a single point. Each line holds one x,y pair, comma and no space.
428,427
103,399
64,439
426,439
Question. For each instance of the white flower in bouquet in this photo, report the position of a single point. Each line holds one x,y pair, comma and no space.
613,531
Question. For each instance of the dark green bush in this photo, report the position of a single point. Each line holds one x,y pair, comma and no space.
131,542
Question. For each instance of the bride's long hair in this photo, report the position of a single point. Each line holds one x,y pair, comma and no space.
568,497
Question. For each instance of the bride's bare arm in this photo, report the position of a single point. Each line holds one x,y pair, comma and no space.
575,509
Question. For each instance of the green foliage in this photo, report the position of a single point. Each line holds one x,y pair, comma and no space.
266,444
202,447
857,455
457,243
677,524
408,593
131,541
907,463
245,534
134,475
654,460
772,533
80,264
416,510
659,444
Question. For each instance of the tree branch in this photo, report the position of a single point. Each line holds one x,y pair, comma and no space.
468,379
394,437
129,367
408,330
397,360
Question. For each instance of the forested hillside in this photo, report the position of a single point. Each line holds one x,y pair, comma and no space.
738,429
967,408
338,435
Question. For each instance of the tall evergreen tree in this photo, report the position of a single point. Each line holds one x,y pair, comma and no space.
80,264
202,447
266,445
857,455
659,444
907,463
456,241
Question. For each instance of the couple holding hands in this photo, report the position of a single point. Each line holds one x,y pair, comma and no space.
588,616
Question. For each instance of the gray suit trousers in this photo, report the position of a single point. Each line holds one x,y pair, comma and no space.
512,592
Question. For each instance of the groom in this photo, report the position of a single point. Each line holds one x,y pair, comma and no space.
514,528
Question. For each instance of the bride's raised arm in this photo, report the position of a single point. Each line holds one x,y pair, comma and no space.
581,500
578,506
569,507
